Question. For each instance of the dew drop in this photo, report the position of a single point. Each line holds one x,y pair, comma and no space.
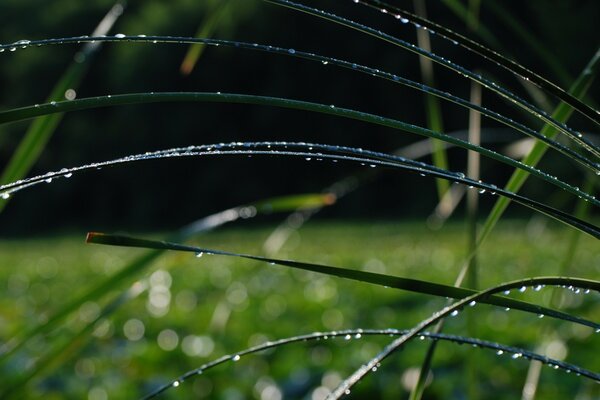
49,180
325,62
357,336
347,391
516,355
540,315
5,196
538,288
292,51
348,337
176,384
119,36
454,313
421,337
199,254
523,289
472,303
506,292
53,103
481,191
374,369
500,352
236,357
12,49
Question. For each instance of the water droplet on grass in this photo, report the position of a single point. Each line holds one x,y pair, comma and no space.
500,352
523,289
119,35
348,337
292,51
199,254
236,357
454,313
5,196
176,384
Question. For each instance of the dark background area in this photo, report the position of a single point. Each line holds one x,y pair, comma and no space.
164,194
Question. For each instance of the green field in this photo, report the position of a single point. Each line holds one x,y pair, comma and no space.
193,310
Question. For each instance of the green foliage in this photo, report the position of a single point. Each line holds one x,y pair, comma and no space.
93,321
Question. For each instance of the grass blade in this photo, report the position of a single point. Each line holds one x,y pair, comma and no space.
42,128
453,309
307,151
511,97
142,98
504,62
414,285
594,166
352,333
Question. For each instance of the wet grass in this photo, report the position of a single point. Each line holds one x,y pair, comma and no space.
198,309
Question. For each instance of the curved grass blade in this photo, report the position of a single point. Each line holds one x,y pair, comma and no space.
453,310
497,58
573,155
100,289
42,128
413,285
140,98
336,153
350,334
307,151
508,95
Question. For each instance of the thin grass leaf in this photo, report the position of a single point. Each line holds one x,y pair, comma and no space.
500,60
41,129
134,268
413,285
207,29
517,180
506,94
453,310
350,334
307,151
142,98
594,166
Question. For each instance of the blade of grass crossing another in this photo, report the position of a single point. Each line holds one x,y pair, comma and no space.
42,128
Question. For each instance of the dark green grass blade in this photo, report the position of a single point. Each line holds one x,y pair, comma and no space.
573,155
134,268
396,282
307,151
42,128
454,309
497,58
501,91
357,333
140,98
517,180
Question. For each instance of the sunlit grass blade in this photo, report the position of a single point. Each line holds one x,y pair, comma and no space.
42,128
135,267
573,155
142,98
319,151
207,28
453,310
517,180
414,285
494,56
350,334
500,90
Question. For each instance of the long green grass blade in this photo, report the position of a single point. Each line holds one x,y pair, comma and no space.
358,333
141,98
207,29
594,166
453,310
42,128
413,285
307,151
134,268
501,91
518,178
